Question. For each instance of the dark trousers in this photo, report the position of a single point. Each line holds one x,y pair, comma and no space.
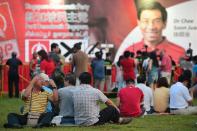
13,78
108,114
45,119
14,118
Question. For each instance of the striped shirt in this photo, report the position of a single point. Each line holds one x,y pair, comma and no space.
38,103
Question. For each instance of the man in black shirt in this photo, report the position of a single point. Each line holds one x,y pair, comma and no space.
13,76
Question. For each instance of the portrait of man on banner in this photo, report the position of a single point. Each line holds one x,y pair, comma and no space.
152,20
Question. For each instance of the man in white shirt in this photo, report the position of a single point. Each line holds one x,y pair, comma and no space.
180,99
148,95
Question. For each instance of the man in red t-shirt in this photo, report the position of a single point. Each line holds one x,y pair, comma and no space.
129,100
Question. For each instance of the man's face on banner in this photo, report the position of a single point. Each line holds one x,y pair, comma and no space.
151,25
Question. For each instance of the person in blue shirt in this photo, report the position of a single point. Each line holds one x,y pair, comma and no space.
98,68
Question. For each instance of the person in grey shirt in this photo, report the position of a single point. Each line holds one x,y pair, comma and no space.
66,100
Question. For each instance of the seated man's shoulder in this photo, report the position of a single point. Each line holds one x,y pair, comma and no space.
92,89
67,89
123,89
89,90
138,89
148,89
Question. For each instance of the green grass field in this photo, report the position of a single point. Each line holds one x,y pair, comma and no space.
146,123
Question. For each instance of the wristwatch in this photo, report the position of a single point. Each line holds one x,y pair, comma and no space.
54,88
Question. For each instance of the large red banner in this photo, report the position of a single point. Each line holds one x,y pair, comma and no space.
109,21
8,41
30,25
7,30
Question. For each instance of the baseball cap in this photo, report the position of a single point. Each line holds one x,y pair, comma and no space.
44,76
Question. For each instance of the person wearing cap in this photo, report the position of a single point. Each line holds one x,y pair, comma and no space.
13,75
35,99
79,61
46,87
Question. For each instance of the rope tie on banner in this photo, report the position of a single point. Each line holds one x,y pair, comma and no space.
23,78
1,80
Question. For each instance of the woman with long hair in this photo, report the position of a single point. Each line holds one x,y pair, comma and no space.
47,65
152,70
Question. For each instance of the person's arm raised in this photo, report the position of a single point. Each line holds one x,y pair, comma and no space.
54,98
29,88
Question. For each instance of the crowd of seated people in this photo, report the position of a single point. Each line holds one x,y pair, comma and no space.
147,84
78,105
